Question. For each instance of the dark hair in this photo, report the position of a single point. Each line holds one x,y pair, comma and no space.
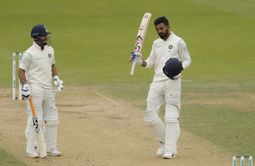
160,20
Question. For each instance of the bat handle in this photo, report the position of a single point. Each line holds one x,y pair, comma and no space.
133,67
32,106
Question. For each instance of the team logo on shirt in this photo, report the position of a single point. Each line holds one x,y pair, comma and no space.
170,46
49,55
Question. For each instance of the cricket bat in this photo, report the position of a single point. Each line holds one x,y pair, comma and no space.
39,134
140,37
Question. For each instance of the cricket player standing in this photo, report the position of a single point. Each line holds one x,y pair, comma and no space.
36,69
163,89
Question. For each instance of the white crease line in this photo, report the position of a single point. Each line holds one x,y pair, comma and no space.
107,98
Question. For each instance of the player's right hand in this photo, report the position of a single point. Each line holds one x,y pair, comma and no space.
136,57
58,83
25,91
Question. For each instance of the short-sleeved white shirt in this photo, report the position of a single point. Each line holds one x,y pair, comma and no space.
37,64
162,50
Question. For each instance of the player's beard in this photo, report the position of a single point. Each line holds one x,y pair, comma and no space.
164,36
42,42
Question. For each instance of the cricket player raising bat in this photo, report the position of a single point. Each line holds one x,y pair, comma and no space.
169,56
37,67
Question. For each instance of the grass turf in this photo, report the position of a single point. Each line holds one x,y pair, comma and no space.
7,159
92,41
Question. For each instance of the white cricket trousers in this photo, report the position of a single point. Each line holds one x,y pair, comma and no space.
168,92
47,114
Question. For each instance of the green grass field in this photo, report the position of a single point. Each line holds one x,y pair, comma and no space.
93,39
7,159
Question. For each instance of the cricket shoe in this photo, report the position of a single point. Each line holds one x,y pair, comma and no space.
160,150
54,152
33,154
169,155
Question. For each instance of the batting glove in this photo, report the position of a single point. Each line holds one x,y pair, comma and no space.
58,83
136,57
25,91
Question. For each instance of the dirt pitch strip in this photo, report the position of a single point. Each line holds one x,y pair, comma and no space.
98,130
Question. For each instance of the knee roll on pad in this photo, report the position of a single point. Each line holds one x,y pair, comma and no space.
51,116
51,122
172,114
151,117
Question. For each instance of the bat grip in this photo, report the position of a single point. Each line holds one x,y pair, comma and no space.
133,67
32,106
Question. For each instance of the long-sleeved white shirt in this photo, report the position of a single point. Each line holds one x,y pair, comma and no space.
162,50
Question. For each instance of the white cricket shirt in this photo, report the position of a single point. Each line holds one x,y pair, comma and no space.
37,64
173,47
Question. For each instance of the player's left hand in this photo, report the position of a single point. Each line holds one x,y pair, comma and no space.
58,83
137,57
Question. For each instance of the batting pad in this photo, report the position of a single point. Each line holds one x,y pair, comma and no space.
155,124
172,128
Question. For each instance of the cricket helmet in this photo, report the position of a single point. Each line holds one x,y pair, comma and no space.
39,30
172,67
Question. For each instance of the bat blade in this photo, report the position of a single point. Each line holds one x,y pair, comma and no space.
140,37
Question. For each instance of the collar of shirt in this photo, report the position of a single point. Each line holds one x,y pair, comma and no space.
37,46
169,37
